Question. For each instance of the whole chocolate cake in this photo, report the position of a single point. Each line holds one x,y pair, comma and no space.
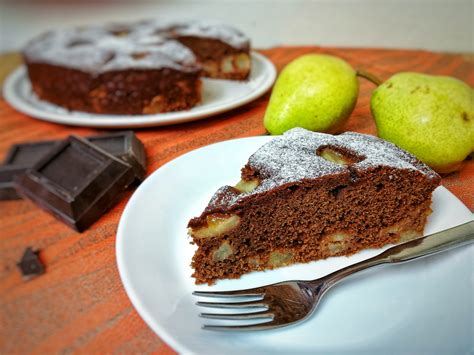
140,68
306,196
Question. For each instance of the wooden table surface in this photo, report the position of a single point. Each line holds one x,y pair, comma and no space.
79,304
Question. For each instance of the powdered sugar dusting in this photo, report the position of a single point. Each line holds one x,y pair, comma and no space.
140,45
224,33
289,158
292,157
161,54
97,50
224,196
71,47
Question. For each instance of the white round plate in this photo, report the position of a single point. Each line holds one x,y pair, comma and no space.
422,307
218,96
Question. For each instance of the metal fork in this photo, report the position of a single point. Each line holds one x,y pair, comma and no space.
291,302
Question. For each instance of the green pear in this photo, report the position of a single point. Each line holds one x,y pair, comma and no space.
430,116
317,92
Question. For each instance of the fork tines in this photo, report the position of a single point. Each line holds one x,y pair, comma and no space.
248,305
238,293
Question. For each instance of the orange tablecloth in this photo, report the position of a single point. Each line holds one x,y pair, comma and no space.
79,303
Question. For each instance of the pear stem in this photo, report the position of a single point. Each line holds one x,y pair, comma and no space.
370,77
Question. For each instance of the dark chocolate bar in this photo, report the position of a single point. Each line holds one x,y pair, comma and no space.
124,145
76,181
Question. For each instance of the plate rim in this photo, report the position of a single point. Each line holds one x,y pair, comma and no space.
131,121
156,327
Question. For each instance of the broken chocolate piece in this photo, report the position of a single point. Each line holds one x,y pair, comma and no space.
76,181
7,187
123,145
19,158
30,265
126,146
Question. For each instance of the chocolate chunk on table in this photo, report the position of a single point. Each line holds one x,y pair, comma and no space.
124,145
19,158
30,265
76,182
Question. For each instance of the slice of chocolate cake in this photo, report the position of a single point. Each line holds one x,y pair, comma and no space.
306,196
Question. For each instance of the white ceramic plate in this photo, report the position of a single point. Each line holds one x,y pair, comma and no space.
218,96
425,306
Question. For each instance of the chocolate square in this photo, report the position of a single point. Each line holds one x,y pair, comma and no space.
126,146
28,154
76,182
19,158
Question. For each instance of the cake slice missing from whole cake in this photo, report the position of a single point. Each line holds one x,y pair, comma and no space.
306,196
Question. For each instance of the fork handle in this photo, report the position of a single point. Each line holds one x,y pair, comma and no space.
411,250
